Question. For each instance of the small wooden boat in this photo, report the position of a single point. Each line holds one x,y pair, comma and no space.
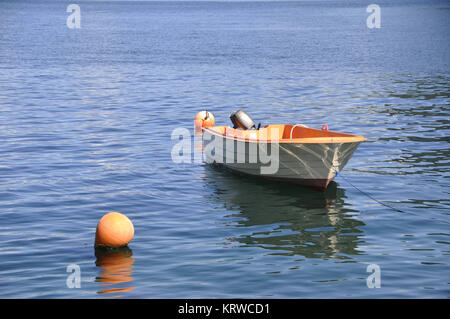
298,154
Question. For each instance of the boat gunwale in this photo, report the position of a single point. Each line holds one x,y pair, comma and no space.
302,140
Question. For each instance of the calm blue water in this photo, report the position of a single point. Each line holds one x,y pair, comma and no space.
85,128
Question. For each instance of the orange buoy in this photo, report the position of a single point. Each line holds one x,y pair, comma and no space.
114,230
204,119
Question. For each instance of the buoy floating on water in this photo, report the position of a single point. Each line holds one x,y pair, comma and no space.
114,230
204,119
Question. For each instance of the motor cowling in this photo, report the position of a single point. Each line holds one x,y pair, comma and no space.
241,120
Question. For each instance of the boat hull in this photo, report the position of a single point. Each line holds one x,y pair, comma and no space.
308,164
317,184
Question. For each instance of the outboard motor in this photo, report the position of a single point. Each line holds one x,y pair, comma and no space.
241,120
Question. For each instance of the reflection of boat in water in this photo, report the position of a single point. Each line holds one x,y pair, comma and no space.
289,220
116,273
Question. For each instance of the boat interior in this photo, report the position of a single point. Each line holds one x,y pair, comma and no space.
285,133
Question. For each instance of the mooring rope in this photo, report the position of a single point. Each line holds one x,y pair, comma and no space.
379,202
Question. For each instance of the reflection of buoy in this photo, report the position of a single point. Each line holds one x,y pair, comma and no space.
114,230
204,119
116,269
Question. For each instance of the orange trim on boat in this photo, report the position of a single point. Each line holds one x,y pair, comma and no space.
283,133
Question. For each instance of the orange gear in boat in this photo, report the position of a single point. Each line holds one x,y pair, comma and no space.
204,119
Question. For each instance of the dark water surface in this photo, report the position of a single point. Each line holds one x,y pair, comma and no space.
86,118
